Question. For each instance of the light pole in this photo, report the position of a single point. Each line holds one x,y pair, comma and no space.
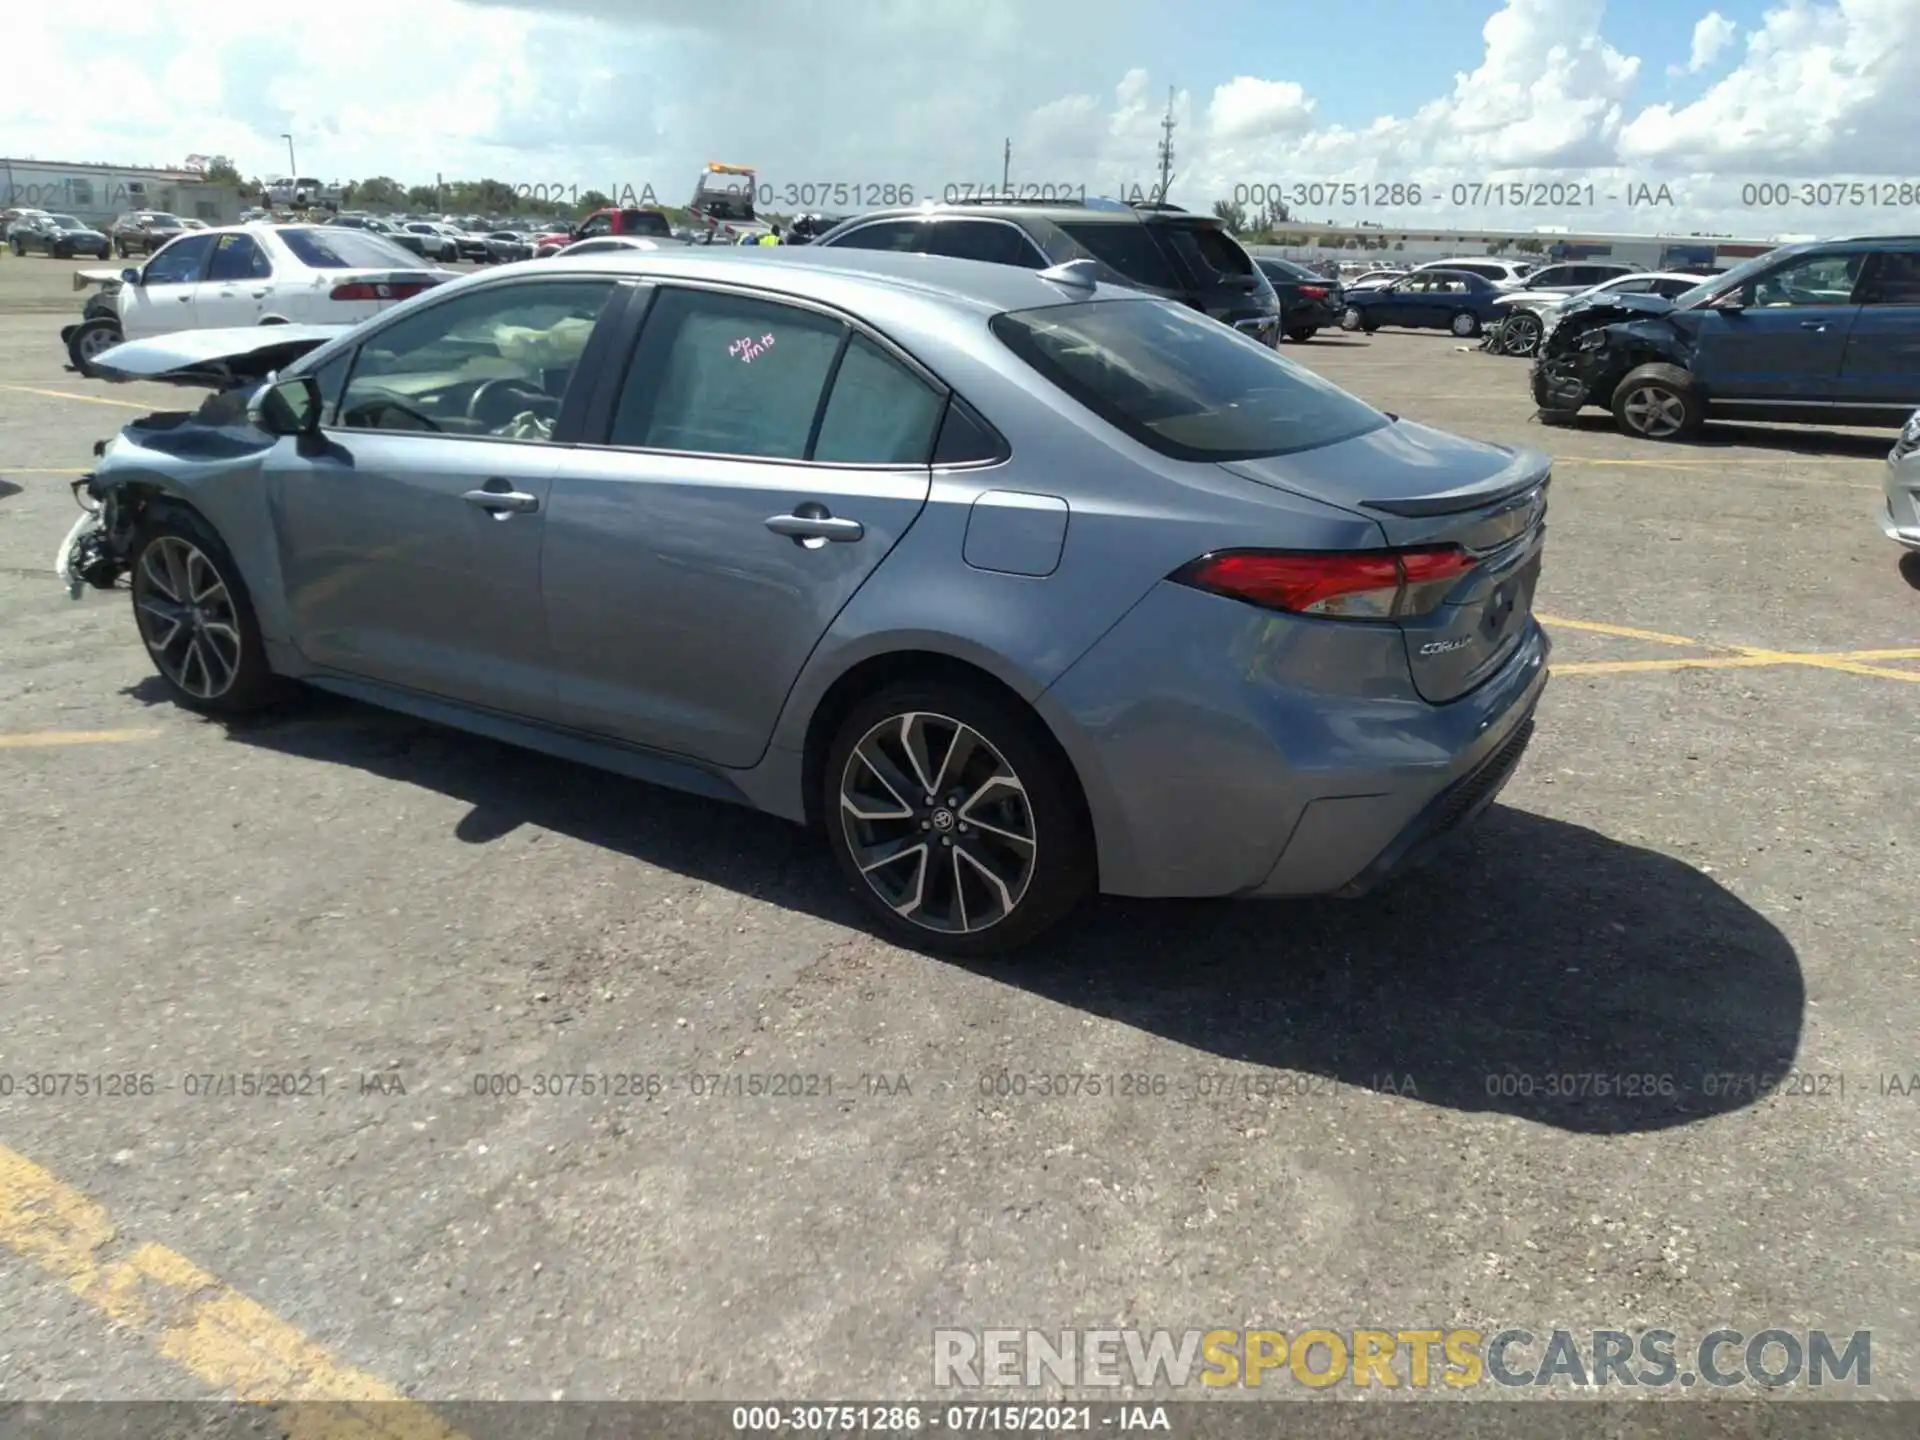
293,167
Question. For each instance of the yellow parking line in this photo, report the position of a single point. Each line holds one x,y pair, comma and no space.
1630,667
196,1320
69,395
1625,632
34,739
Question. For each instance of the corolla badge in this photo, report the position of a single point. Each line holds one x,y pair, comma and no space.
1444,647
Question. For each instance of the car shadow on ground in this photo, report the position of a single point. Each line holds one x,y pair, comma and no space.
8,489
1536,968
1722,435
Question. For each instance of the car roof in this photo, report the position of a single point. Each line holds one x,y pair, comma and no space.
823,274
1039,209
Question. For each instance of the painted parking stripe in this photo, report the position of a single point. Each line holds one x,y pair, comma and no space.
1625,632
70,395
200,1323
36,739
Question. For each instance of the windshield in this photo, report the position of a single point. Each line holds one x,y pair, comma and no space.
67,222
165,222
1729,279
1182,383
344,249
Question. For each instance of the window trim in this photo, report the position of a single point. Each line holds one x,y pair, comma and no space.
928,226
618,293
634,330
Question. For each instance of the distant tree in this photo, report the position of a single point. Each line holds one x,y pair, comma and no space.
1328,242
496,196
423,197
1399,244
1530,247
1232,215
381,190
594,200
220,171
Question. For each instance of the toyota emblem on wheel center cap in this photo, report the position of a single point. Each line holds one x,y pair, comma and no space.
943,819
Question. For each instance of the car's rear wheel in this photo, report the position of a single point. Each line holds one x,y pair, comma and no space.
1350,318
196,619
89,339
1303,333
1465,325
955,818
1659,402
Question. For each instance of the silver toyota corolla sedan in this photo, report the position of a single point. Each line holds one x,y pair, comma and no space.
1017,585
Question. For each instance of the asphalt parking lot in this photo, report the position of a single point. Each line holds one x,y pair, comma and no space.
1705,868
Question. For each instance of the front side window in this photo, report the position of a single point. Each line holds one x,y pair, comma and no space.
720,374
882,235
180,262
1811,280
492,362
237,257
1181,383
992,241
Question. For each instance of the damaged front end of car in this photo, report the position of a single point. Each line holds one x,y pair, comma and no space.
169,453
1590,351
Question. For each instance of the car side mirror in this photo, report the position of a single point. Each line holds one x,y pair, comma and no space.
1732,302
290,407
130,275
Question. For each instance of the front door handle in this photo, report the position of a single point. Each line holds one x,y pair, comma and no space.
1820,325
263,291
813,522
183,299
503,502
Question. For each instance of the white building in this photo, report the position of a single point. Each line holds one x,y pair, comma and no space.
99,193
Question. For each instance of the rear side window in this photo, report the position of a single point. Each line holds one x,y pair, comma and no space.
1128,250
344,249
880,412
1208,251
1181,383
1893,278
992,241
238,258
882,235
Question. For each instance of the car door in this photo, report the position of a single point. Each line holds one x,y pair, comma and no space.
238,286
1409,302
163,299
1882,364
1788,337
759,459
409,536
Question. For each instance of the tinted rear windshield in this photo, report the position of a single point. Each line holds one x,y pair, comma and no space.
1182,383
1208,248
341,248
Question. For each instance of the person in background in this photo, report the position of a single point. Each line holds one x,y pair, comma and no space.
772,237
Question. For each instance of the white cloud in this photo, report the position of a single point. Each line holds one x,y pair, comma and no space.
600,93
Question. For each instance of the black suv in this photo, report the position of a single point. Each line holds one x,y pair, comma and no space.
1158,248
145,231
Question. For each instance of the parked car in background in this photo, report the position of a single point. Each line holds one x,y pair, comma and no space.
1179,618
63,237
1457,300
1528,316
1167,252
506,246
1574,276
1824,332
144,231
252,275
11,218
1309,302
1902,520
632,220
1508,274
442,242
605,244
419,245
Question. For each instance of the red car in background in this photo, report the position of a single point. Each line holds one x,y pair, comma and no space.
651,224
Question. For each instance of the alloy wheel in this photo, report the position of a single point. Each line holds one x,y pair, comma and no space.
1654,411
99,338
187,618
938,823
1523,334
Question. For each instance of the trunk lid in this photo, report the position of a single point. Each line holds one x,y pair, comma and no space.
1423,486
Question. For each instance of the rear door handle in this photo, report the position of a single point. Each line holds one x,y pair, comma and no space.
503,502
812,522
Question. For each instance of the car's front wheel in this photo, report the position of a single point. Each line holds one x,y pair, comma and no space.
1659,402
196,619
956,818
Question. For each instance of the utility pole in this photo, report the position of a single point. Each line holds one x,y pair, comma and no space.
1166,148
1006,165
293,166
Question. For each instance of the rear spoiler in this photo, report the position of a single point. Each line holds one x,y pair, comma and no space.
83,279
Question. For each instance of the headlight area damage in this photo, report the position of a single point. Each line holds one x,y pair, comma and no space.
1592,350
137,467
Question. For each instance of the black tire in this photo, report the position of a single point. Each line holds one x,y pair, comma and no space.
84,342
1057,869
19,249
1351,319
1659,402
253,685
1465,324
1300,334
1520,335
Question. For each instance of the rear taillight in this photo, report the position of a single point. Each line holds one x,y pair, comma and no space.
363,290
1356,585
1314,292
